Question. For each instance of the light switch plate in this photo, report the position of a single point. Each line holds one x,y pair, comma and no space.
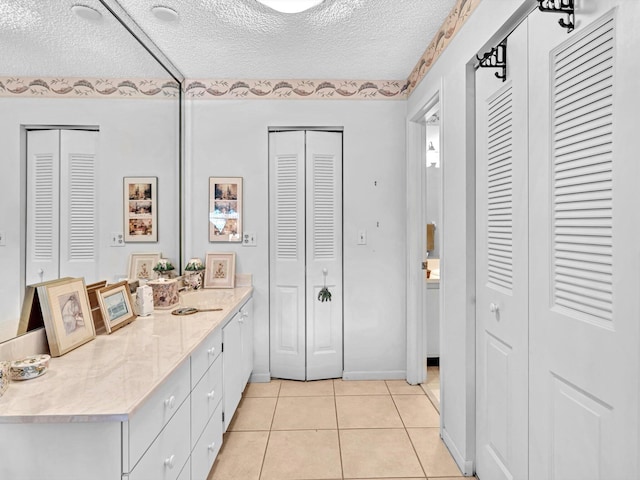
249,239
362,237
117,239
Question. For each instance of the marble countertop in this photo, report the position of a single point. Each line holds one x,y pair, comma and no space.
108,378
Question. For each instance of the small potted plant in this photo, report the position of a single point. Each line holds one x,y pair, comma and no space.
163,268
193,274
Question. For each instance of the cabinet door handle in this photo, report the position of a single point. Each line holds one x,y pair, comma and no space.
212,446
170,402
211,394
169,462
211,351
494,307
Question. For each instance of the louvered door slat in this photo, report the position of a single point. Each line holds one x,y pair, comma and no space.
324,242
582,115
500,189
82,208
287,207
43,208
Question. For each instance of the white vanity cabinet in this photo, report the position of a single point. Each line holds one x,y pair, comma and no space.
232,368
238,358
246,334
145,403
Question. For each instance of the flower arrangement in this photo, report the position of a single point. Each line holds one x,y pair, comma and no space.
194,265
163,266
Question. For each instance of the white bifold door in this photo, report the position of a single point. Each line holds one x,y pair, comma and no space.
501,270
558,261
61,205
305,208
584,258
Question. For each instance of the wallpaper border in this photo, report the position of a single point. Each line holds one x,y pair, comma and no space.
224,89
59,87
295,89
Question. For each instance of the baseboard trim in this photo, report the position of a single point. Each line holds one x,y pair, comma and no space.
465,466
382,375
260,378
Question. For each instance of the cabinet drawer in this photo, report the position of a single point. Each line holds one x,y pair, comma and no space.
204,454
168,453
205,398
205,354
146,423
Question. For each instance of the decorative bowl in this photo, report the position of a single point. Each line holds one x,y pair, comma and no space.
30,367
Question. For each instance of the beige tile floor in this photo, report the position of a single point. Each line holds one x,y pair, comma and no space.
432,386
334,430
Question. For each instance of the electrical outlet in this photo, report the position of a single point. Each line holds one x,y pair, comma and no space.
3,239
249,239
117,239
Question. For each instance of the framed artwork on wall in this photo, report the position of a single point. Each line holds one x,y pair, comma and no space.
116,306
67,315
141,265
220,270
225,209
140,209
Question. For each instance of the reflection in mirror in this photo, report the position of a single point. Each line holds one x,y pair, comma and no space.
71,68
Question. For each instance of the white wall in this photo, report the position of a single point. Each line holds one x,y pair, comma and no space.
138,137
448,75
229,138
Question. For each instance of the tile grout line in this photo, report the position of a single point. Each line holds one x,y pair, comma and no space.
409,437
335,405
266,447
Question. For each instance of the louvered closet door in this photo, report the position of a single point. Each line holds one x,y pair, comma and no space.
305,171
43,190
501,270
324,254
61,205
585,257
287,254
78,205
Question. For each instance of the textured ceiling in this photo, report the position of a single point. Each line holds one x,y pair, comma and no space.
45,38
339,39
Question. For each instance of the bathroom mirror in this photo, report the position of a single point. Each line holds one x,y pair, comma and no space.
73,66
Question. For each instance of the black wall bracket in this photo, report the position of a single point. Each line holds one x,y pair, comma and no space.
560,6
496,58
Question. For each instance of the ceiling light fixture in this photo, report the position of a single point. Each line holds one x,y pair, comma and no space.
290,6
87,13
165,14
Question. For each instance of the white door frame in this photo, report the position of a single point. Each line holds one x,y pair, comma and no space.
416,196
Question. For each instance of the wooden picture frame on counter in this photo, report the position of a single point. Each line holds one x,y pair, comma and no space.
141,265
94,305
225,209
140,209
31,314
66,314
116,306
220,271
